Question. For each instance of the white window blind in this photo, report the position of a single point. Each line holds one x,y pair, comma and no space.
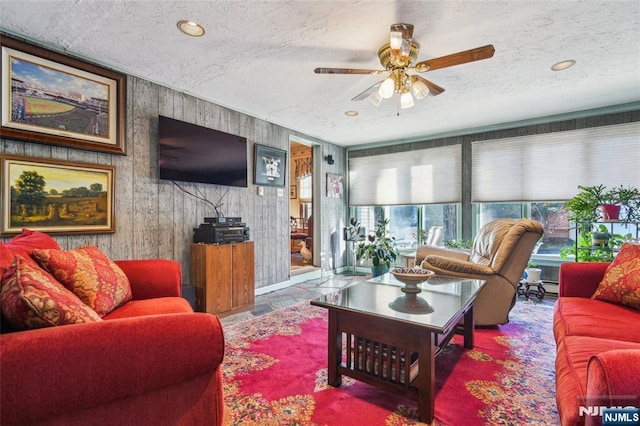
550,166
427,176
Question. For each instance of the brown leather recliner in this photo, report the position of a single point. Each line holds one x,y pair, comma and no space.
499,255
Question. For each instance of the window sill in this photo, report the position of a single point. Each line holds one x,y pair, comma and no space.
548,259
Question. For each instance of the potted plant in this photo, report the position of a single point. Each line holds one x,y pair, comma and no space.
591,205
600,236
354,231
596,203
379,248
583,207
629,199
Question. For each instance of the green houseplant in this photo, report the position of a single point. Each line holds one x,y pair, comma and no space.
595,243
379,248
586,206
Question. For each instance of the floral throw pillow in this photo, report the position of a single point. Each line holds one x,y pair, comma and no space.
89,274
30,299
621,281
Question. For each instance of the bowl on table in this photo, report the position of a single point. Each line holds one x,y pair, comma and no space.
411,277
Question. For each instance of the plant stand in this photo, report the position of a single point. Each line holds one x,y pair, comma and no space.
524,289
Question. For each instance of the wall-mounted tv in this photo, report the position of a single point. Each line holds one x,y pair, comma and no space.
191,153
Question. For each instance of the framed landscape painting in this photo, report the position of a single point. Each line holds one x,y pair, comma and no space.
269,166
51,98
56,197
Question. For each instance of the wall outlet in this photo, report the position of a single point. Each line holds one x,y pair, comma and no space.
261,191
280,192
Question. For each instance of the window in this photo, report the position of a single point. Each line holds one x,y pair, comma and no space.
406,222
554,219
403,225
492,211
445,215
304,186
552,216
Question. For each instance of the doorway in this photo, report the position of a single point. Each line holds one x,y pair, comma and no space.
301,199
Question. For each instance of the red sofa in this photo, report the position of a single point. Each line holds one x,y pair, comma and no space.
598,347
151,361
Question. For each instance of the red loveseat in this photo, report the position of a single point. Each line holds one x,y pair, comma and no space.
151,361
598,347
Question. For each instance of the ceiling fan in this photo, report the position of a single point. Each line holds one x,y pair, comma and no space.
398,57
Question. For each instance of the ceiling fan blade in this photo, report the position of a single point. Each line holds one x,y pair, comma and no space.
471,55
345,71
434,89
365,94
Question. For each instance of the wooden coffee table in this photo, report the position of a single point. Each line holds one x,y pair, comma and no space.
382,336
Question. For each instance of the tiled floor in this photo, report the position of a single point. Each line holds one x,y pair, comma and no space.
296,293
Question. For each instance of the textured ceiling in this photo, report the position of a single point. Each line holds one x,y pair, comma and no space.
258,57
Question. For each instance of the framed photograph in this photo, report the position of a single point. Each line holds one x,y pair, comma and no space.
56,197
52,98
269,166
293,191
335,185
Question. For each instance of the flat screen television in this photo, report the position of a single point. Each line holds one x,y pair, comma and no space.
191,153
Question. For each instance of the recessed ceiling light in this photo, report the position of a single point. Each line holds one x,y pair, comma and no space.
191,28
351,113
563,65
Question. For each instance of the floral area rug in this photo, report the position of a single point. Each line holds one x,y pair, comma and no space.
275,373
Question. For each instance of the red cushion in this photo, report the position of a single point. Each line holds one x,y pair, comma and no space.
572,358
152,278
160,305
611,380
32,299
579,316
6,258
23,244
89,274
621,282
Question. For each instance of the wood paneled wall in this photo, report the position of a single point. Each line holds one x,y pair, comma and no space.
155,219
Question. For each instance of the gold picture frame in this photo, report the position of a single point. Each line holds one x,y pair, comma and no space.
56,197
51,98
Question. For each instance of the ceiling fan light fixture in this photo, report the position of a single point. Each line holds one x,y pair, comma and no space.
406,100
419,89
395,40
387,88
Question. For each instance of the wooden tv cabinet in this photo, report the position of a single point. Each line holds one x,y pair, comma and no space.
223,276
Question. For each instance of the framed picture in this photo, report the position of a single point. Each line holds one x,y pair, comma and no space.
335,186
57,197
51,98
293,191
269,166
